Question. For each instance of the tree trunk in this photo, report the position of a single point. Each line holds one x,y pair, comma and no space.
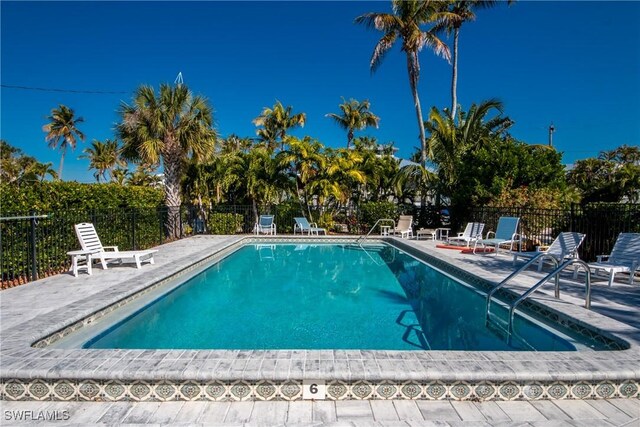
64,149
454,77
412,58
172,192
349,138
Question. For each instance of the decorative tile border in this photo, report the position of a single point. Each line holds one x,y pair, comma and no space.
161,391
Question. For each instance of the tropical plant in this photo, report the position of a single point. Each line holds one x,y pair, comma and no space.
144,176
276,122
168,128
405,23
613,176
458,12
62,131
103,157
39,171
355,116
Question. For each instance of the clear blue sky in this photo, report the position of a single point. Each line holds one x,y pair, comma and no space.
576,64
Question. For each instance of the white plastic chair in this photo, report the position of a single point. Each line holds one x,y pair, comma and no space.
90,241
506,232
265,225
403,228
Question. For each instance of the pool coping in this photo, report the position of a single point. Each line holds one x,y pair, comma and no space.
87,374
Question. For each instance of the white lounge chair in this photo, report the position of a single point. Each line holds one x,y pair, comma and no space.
403,228
506,232
304,226
90,241
624,257
265,225
471,233
565,246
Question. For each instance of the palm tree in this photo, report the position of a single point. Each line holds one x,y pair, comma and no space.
119,175
169,128
405,23
459,12
355,116
41,170
62,131
103,157
276,122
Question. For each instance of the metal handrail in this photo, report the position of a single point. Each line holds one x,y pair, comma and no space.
539,257
556,272
363,237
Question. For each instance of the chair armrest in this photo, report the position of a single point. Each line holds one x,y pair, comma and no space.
600,258
460,234
112,248
314,224
490,232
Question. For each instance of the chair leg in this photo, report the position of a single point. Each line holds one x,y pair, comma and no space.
611,277
104,263
138,263
74,265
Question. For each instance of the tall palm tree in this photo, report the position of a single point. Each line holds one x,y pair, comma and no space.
167,128
62,131
405,23
276,122
459,12
355,116
103,157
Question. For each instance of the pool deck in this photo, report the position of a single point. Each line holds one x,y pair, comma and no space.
39,309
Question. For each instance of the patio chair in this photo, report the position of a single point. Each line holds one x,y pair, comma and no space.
303,226
565,246
265,225
471,233
90,241
624,257
506,232
403,228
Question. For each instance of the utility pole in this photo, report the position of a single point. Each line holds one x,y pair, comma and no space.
551,131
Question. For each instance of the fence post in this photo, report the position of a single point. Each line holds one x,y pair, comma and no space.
572,216
133,228
159,211
34,265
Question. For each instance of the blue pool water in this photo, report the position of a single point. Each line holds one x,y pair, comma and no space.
320,296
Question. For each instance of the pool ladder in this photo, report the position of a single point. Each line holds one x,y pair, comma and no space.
364,237
553,275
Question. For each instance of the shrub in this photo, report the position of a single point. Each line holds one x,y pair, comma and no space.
224,223
371,212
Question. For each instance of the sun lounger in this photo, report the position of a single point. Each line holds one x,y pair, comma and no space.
471,233
90,241
565,246
303,226
624,257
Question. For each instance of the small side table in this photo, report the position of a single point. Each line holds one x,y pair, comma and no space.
384,230
442,233
77,256
429,232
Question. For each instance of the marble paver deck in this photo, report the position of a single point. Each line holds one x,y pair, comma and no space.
615,412
34,311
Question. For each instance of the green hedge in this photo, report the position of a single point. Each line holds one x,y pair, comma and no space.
47,197
373,211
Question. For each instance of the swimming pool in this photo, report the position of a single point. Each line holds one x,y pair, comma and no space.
324,296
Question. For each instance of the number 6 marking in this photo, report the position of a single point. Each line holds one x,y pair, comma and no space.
313,389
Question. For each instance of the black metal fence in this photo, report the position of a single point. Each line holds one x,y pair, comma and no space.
34,246
601,223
